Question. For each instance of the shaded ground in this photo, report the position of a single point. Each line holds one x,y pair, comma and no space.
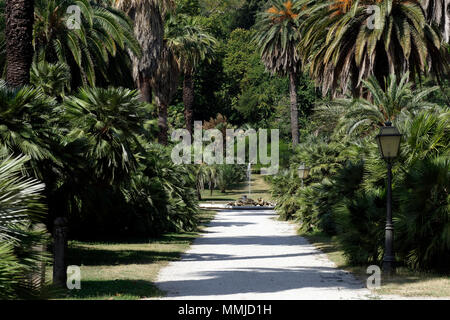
124,270
250,255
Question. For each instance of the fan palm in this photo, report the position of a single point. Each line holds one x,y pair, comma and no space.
53,79
23,115
191,44
277,36
87,48
343,46
426,135
20,206
396,99
110,119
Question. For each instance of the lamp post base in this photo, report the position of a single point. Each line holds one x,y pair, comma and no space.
389,266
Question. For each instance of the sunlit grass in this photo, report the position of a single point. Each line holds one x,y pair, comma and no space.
259,189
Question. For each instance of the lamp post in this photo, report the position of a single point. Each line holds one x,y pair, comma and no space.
389,144
303,172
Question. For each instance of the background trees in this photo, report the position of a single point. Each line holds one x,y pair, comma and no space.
91,137
191,44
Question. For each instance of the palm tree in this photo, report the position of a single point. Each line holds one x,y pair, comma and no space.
343,46
2,40
198,172
19,36
149,32
396,99
438,12
23,113
110,120
277,37
52,79
21,207
102,34
191,44
164,82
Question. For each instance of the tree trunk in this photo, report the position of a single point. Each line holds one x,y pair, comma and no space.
199,194
145,89
162,124
188,100
438,12
294,108
19,36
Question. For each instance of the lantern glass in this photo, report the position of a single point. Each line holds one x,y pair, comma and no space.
389,142
303,171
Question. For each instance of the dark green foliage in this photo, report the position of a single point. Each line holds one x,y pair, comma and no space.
229,175
423,222
361,221
21,207
52,79
345,194
95,50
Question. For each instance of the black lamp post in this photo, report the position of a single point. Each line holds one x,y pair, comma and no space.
389,144
303,172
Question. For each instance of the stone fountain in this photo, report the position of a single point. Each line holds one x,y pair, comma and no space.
245,202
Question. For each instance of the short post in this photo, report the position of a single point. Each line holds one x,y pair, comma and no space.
59,251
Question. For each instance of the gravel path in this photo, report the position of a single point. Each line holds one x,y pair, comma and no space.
247,254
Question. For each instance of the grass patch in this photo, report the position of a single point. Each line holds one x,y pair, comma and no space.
126,269
259,189
405,283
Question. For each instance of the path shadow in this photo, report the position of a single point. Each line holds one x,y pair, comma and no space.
98,257
117,289
261,280
227,257
292,240
224,223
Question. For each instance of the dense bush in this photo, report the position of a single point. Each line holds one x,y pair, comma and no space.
21,207
423,220
345,194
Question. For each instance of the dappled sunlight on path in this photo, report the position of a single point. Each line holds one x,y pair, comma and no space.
247,254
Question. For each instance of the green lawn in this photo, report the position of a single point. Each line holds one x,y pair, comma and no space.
125,270
259,189
405,283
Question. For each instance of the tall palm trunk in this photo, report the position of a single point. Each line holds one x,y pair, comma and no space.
294,108
19,36
164,83
188,100
438,11
145,89
149,32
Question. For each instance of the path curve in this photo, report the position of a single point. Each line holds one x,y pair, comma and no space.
247,254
